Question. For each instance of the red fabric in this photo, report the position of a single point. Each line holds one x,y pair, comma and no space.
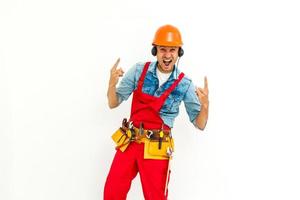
145,108
124,168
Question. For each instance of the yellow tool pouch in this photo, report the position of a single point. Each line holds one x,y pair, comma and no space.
121,139
152,150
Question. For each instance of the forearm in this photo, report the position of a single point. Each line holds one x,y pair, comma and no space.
112,96
202,117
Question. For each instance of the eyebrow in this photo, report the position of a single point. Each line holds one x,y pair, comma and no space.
166,47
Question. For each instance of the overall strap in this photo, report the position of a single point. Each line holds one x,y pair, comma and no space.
143,75
172,87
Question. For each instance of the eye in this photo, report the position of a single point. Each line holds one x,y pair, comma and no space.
172,50
163,50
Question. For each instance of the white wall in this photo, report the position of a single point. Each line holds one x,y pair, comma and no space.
55,58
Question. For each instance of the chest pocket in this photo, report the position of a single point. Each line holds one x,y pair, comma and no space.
172,104
149,85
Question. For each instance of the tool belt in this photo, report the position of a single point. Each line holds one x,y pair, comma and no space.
159,144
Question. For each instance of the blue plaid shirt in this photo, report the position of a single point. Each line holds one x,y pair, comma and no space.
185,91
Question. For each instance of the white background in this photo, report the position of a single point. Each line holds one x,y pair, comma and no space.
55,127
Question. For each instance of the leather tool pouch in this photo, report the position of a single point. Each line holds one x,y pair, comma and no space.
121,139
152,150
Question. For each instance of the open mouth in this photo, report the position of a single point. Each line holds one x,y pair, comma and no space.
167,62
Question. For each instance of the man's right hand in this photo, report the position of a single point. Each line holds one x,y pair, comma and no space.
115,74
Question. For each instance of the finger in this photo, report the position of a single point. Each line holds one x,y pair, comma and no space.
116,64
202,92
206,91
198,91
119,73
121,70
205,82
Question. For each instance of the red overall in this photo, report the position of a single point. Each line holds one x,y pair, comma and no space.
125,166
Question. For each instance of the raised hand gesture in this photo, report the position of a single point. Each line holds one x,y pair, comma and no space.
115,73
202,93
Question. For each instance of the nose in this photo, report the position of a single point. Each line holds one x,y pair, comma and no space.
168,54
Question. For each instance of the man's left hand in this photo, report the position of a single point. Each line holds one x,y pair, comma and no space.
202,94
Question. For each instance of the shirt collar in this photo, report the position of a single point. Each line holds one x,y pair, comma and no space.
153,66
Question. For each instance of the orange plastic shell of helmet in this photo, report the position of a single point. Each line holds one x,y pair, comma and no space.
167,35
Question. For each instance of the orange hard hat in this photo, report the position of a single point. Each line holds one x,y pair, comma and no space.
167,35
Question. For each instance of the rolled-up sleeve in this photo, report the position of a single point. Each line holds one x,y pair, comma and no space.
127,84
191,103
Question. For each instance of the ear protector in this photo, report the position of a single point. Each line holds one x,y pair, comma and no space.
154,51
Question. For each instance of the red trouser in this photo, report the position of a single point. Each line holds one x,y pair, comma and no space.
125,167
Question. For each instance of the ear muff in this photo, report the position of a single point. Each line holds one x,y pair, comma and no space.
180,52
154,51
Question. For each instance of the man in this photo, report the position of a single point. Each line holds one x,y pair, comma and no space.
144,143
